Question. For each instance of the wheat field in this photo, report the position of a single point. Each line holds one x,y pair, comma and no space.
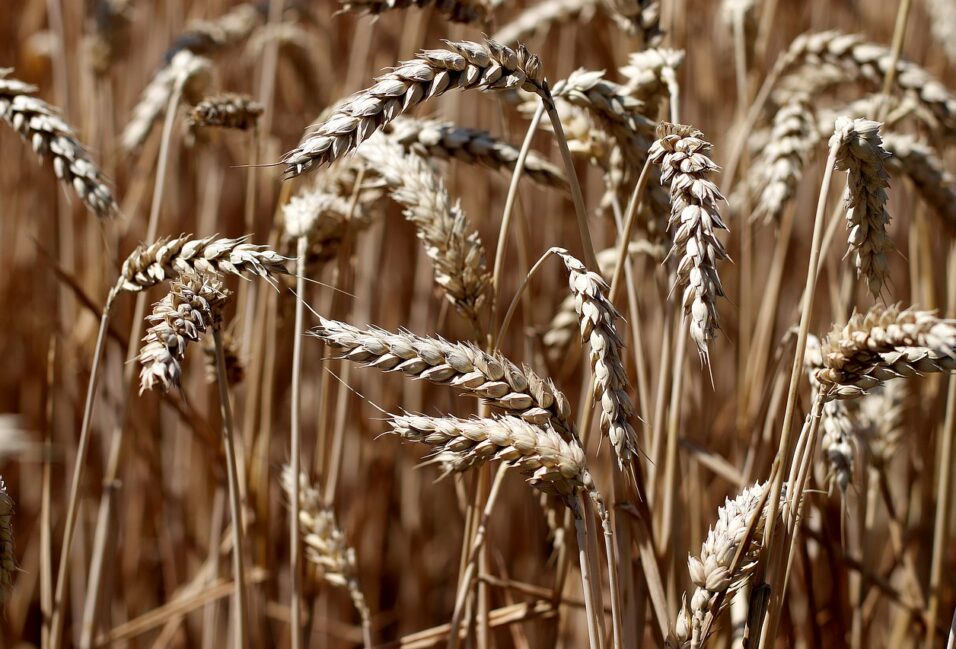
477,324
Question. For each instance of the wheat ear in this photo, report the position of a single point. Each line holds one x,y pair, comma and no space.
40,125
456,11
837,422
651,74
463,65
540,17
109,39
8,563
681,153
228,110
456,251
861,155
640,18
923,166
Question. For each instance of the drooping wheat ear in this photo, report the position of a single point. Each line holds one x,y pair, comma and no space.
827,58
598,329
8,563
651,75
456,11
837,421
640,18
880,422
462,366
109,38
151,264
711,570
564,327
553,465
235,368
193,305
537,19
885,343
226,111
186,73
776,172
326,547
435,139
40,125
456,251
922,165
861,155
681,153
213,35
464,65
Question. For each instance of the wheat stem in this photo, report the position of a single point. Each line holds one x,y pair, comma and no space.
296,443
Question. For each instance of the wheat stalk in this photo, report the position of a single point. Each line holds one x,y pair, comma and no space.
455,249
681,153
435,139
462,366
883,344
456,11
598,328
228,110
537,19
326,547
8,563
463,65
193,305
40,125
861,155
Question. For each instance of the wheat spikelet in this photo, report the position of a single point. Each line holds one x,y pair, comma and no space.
151,264
553,465
453,246
39,124
185,72
861,155
883,344
710,572
462,366
456,11
919,163
597,327
837,422
8,563
226,111
435,139
537,19
681,153
193,305
641,18
326,547
464,65
651,74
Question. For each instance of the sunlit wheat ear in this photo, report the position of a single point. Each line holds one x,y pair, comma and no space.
8,564
193,306
185,73
153,263
434,139
883,344
456,11
861,155
228,110
553,465
450,241
463,65
640,18
711,572
40,125
326,548
681,153
598,328
651,74
462,366
540,17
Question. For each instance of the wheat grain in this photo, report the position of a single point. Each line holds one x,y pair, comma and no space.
226,111
455,249
151,264
40,125
435,139
456,11
883,344
861,155
598,328
464,65
553,465
326,547
8,562
681,153
462,366
193,305
537,19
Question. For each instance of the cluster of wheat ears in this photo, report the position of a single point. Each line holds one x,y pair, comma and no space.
233,466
